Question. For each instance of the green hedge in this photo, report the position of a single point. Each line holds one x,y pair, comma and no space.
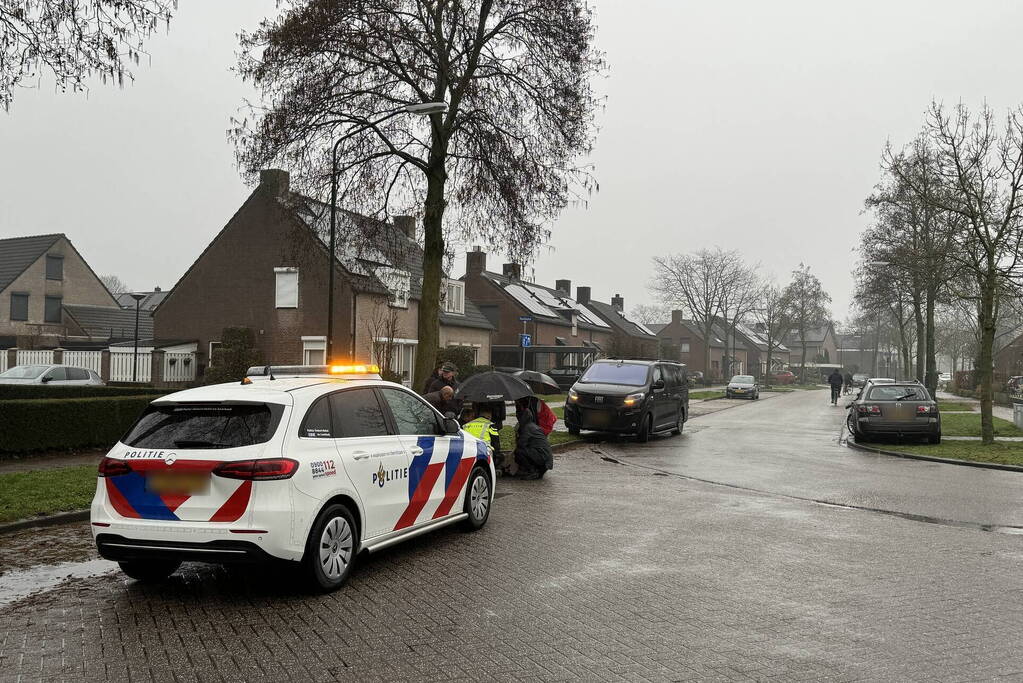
41,391
41,424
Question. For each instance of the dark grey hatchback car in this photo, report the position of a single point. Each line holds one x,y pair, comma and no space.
629,396
894,409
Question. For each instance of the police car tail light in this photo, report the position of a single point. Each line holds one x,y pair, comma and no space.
109,467
263,469
355,369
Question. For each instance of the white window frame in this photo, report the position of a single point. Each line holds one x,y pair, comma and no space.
683,347
213,344
398,283
311,344
454,296
284,297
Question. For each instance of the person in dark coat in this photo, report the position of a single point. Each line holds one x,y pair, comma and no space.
835,380
443,400
429,380
533,456
445,378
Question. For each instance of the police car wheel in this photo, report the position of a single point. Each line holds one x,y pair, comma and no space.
150,571
330,549
477,500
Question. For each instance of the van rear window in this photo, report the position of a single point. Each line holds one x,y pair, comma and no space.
196,425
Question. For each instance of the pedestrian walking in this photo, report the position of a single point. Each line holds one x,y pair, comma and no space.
847,382
835,380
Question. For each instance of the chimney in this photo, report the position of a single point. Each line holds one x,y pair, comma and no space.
563,286
275,180
617,302
676,317
157,289
407,224
512,270
582,295
475,261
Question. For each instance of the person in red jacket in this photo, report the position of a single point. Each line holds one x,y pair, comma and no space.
543,414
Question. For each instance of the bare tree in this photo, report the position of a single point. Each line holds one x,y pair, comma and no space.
515,75
114,284
738,299
651,314
769,312
695,283
74,39
806,307
382,323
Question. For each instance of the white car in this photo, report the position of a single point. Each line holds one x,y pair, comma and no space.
312,469
50,375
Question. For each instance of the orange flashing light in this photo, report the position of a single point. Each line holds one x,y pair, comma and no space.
354,369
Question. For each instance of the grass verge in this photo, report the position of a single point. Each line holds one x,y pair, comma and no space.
555,438
1002,452
969,425
956,405
45,492
559,411
705,395
777,389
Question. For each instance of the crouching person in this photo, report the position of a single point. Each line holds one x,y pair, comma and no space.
481,426
533,456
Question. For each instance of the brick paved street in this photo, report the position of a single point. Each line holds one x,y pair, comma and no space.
598,572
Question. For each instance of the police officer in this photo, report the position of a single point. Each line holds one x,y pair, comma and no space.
483,428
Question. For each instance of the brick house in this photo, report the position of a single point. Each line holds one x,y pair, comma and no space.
629,338
563,331
755,341
821,347
39,276
685,338
267,270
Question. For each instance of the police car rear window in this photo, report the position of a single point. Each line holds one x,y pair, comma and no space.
204,426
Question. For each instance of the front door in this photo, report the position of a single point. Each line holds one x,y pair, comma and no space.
373,457
439,464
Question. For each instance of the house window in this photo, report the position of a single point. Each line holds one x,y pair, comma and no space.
287,287
683,347
52,312
454,297
54,267
402,353
314,350
398,283
19,306
214,345
575,323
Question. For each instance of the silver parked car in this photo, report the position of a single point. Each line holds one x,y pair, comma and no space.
743,386
62,375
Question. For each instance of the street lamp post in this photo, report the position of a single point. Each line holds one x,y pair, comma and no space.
135,356
424,109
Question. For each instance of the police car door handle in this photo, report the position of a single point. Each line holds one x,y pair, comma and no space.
417,451
360,455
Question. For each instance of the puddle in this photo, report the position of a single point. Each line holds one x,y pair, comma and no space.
22,583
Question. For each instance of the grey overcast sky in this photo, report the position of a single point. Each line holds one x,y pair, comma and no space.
751,125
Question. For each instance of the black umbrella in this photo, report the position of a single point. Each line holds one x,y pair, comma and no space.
492,386
540,383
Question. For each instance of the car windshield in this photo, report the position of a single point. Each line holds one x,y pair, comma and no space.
204,426
892,392
24,372
743,379
630,374
859,376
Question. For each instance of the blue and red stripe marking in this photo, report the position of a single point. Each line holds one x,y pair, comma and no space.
130,498
423,476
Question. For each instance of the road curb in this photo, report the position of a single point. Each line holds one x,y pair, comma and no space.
47,520
930,458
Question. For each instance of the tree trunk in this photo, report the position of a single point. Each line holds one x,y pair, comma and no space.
802,366
931,375
877,343
921,335
706,351
433,272
985,362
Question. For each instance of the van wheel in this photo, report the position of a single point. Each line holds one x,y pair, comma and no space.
149,571
477,500
330,549
574,431
680,424
643,435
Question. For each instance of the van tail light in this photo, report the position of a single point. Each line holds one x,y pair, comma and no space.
924,410
264,469
869,410
110,467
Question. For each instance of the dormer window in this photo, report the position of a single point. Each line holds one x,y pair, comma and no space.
454,297
398,283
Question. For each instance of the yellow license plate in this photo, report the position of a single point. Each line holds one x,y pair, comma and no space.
180,483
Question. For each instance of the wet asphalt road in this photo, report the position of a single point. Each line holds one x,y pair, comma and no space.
793,444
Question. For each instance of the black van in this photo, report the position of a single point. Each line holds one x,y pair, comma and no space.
629,397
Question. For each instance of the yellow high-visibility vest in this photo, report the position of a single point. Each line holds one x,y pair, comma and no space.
479,427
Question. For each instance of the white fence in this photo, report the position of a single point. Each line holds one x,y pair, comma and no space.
36,357
3,360
122,366
179,367
92,360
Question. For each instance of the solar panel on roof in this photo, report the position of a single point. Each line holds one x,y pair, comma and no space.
593,318
521,294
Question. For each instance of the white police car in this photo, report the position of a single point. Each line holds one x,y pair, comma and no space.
310,465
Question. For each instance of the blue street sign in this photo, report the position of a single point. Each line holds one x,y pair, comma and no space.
525,340
525,318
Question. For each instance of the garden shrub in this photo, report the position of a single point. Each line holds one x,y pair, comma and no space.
64,424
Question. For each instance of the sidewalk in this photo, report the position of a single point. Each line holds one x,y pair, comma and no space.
1003,412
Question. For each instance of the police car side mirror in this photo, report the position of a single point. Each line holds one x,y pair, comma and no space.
451,426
